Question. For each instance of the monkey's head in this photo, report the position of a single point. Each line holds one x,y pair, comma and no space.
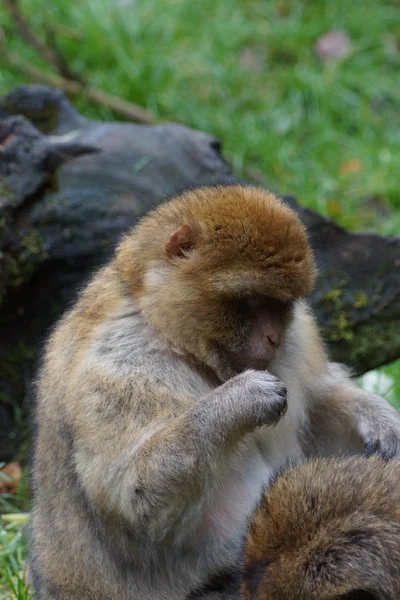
217,271
328,530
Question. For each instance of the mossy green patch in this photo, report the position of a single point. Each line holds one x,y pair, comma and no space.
360,299
339,327
19,262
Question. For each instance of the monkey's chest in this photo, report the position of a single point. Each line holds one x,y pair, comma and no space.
252,465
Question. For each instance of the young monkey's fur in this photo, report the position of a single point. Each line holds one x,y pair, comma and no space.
154,416
329,530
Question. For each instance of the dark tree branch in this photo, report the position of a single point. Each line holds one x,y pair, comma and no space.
67,79
124,108
49,51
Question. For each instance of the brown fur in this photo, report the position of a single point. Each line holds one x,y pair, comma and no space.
235,230
152,446
327,530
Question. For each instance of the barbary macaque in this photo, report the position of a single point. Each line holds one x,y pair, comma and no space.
157,424
326,530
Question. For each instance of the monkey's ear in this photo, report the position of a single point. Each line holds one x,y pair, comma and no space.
180,242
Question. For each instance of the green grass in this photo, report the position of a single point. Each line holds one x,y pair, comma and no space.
13,550
246,71
13,544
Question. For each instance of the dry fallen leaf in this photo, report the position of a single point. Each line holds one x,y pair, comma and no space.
351,166
335,44
3,145
10,476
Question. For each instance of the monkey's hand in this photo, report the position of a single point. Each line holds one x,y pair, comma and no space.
252,399
379,425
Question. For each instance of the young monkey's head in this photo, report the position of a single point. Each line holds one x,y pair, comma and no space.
216,271
326,530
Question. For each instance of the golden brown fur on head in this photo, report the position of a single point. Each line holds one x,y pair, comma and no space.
229,229
188,260
327,530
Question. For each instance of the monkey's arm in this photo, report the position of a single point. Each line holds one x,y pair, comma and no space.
157,475
345,417
342,416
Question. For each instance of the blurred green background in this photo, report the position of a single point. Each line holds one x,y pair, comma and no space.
248,72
